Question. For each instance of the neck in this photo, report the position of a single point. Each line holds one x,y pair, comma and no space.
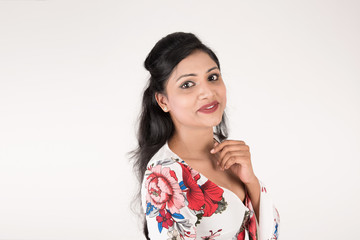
192,143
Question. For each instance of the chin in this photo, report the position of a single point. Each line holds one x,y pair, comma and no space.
215,122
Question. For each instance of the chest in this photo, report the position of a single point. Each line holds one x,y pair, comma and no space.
224,179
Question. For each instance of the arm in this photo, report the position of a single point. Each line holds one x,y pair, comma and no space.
269,220
165,204
253,189
235,155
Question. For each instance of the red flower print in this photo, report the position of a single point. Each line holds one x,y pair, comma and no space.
241,235
164,190
204,197
212,195
194,194
250,224
165,218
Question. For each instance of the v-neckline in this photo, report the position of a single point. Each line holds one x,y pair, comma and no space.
203,176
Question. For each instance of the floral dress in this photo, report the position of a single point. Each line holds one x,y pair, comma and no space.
180,203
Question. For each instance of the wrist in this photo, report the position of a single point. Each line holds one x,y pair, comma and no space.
253,181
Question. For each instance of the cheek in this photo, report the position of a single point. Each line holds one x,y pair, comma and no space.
183,108
222,93
183,103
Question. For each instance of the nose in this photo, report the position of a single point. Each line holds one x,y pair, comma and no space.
206,90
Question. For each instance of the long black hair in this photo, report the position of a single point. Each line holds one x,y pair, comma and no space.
155,125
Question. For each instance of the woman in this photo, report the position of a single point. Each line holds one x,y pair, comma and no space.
195,184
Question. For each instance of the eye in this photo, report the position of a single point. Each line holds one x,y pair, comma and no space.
187,85
213,77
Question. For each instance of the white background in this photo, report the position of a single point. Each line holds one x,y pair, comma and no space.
71,80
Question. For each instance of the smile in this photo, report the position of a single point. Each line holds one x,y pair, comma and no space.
209,108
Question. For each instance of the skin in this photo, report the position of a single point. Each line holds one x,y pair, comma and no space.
194,82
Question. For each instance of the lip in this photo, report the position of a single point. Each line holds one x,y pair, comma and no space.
205,110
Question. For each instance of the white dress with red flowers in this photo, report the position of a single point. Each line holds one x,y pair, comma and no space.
181,203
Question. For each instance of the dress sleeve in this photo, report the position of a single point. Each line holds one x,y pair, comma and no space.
165,202
269,222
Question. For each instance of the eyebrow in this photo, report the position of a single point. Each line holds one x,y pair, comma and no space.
194,75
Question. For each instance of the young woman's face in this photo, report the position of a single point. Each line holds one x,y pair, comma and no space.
196,93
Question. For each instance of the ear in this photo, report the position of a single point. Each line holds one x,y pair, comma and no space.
162,100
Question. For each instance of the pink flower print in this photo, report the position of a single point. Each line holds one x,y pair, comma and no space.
164,190
212,235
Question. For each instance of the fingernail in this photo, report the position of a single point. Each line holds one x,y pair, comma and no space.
212,150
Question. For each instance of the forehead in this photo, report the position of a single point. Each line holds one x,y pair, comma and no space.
197,63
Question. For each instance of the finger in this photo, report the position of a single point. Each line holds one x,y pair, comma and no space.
228,156
241,160
242,157
220,146
234,148
230,162
223,161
